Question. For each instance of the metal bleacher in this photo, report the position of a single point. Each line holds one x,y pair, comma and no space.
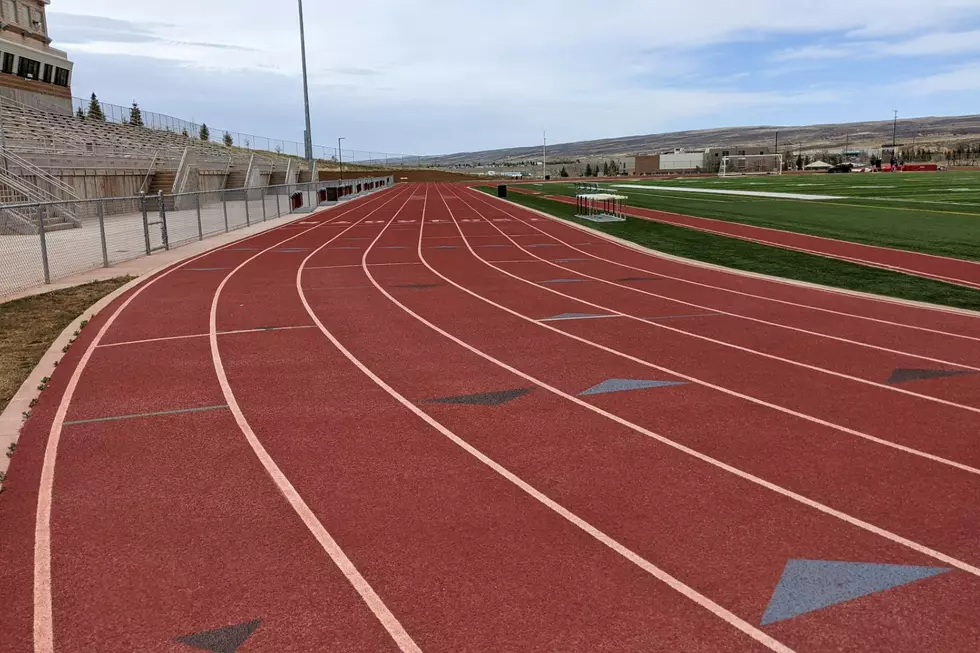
54,141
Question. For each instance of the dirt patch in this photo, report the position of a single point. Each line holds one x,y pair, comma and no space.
28,327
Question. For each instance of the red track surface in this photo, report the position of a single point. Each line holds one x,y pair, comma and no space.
314,484
943,268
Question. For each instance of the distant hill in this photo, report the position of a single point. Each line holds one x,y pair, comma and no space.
932,131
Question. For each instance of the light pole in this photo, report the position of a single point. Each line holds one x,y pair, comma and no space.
544,156
340,155
306,96
894,137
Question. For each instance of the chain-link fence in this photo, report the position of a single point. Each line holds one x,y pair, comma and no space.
40,243
162,122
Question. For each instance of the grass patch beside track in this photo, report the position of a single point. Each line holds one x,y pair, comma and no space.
935,213
28,326
754,257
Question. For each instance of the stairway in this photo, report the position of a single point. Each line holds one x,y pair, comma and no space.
304,177
277,178
236,179
162,180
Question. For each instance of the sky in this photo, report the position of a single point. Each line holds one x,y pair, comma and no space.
443,76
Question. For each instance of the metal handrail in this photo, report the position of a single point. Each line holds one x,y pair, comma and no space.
149,172
34,170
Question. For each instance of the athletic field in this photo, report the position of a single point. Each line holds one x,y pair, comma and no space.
936,213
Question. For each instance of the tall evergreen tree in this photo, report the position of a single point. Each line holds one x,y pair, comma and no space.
588,169
605,168
205,132
80,113
95,109
228,140
135,115
563,172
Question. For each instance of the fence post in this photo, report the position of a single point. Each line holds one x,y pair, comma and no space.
44,244
105,248
224,205
200,225
263,196
163,221
146,222
248,219
278,210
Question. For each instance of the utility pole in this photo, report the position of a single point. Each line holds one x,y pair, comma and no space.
306,96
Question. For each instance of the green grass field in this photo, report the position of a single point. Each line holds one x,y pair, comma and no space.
754,257
937,212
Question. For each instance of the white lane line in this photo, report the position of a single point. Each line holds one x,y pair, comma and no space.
741,193
203,335
730,345
43,610
745,294
566,514
338,267
707,384
854,521
883,300
302,509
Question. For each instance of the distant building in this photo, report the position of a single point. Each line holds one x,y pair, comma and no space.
714,155
31,71
677,160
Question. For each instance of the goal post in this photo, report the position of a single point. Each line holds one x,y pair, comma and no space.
751,164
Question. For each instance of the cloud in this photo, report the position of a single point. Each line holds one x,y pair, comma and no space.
443,75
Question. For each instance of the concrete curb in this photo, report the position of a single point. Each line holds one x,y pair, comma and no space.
754,275
11,420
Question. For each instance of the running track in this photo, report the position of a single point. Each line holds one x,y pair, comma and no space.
941,268
391,426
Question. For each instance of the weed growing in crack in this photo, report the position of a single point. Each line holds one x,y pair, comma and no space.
11,449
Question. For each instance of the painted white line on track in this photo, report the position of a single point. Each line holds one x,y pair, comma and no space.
736,315
854,521
688,592
707,384
43,607
302,509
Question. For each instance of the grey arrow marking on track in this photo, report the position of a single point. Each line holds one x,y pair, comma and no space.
445,247
222,640
624,385
574,316
808,585
902,375
563,281
483,399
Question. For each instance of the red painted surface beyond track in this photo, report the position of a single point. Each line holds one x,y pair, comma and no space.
430,420
942,268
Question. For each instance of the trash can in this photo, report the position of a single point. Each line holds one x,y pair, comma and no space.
502,190
547,177
321,195
332,194
296,200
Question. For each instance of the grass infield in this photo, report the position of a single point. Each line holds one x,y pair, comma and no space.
931,212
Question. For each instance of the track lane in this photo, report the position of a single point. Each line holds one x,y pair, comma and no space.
55,423
886,498
855,405
487,567
502,435
943,268
730,290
